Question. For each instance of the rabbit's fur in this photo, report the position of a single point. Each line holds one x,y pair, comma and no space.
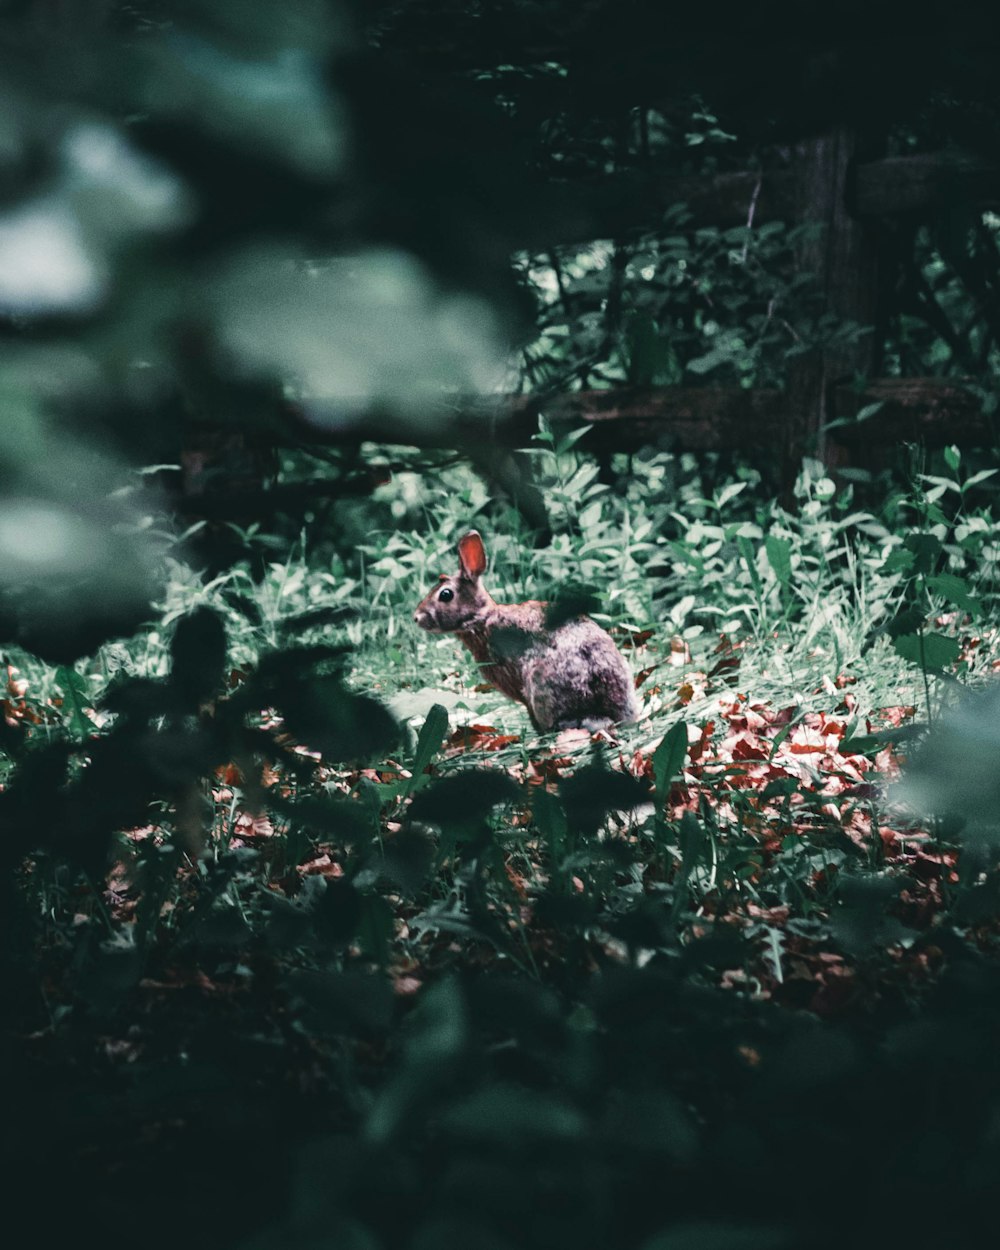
569,676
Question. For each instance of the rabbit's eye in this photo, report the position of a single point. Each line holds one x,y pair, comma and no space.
446,595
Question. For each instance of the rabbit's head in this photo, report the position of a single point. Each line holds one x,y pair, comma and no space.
459,602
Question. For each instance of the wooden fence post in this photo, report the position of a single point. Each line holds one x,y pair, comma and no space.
842,255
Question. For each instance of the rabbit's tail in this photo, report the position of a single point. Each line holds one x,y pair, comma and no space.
591,723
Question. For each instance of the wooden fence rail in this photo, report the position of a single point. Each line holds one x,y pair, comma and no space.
881,188
691,418
823,184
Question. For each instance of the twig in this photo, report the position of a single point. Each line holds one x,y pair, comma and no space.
750,216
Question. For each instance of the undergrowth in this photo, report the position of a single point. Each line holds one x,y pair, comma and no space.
472,947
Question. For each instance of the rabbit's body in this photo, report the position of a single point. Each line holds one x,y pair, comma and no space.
569,676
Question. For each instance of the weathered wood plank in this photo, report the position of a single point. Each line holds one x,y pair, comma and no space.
906,184
928,410
882,188
706,418
726,199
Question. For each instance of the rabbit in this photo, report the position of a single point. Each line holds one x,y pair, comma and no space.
572,676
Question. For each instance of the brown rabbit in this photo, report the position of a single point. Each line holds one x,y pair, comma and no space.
569,676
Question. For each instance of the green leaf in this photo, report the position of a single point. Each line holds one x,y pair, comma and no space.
863,744
747,552
593,792
782,734
198,655
926,548
407,859
569,440
952,458
336,911
465,798
906,621
432,734
779,556
932,652
436,1041
976,478
956,591
75,699
691,840
898,560
935,516
711,360
863,414
728,492
858,919
869,410
649,355
780,787
774,950
551,821
650,1118
668,759
376,927
514,1117
347,820
323,714
570,601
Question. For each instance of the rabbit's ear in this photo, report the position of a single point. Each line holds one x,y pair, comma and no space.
472,555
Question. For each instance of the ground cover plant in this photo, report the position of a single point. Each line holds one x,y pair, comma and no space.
488,987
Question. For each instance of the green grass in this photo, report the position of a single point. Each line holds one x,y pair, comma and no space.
807,595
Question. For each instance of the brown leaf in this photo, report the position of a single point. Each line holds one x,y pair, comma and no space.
479,738
321,866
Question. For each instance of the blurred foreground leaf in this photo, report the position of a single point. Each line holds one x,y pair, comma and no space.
931,652
954,772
